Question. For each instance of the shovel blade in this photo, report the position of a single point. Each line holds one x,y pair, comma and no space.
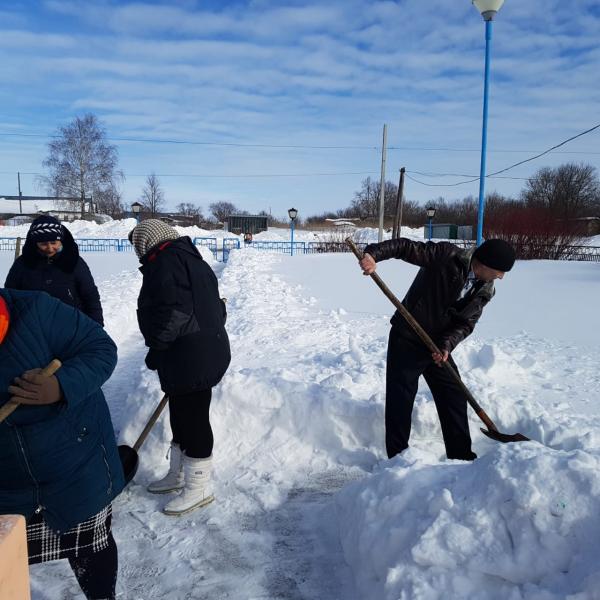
505,438
130,462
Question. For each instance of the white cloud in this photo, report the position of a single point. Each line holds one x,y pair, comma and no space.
306,73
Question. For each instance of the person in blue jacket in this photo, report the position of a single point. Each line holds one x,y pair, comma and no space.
51,263
60,463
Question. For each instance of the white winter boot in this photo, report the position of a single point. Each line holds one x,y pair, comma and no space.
198,489
173,480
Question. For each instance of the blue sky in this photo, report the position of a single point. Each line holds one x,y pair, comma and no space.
241,79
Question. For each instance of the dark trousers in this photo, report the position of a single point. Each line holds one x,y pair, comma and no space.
407,360
97,573
190,423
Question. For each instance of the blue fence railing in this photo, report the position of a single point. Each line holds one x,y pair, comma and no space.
104,245
9,244
281,247
220,251
221,248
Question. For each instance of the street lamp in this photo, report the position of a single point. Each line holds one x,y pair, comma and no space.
430,215
488,10
136,207
292,213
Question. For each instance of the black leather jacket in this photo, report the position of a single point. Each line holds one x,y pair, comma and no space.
433,299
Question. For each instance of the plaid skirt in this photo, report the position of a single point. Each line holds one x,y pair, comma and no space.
87,537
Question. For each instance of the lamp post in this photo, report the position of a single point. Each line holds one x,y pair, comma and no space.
488,10
292,213
136,207
430,215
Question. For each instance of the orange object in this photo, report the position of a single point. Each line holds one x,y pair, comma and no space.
4,319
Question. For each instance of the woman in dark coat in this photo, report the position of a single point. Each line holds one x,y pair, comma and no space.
51,263
182,319
60,464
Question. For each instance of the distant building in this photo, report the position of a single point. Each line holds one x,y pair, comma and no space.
63,208
253,224
449,231
588,225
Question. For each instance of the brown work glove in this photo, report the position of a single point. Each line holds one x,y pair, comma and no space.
36,389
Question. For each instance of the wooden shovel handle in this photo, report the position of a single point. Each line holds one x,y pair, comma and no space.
425,339
12,405
150,423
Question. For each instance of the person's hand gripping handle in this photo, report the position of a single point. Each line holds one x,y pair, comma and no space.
36,387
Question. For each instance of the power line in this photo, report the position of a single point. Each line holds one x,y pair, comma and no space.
208,175
509,167
546,151
296,146
429,174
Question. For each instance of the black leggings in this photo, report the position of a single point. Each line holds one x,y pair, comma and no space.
97,572
190,424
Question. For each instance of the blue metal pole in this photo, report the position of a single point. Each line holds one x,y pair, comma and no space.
292,244
430,230
486,87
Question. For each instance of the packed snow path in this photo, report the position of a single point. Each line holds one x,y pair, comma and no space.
285,443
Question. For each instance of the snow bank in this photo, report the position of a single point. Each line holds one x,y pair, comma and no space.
521,522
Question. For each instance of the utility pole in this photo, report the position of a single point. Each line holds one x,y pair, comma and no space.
20,193
398,217
382,188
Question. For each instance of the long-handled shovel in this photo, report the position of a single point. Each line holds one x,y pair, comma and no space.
492,430
128,455
12,405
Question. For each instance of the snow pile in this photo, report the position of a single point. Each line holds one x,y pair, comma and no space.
521,522
112,229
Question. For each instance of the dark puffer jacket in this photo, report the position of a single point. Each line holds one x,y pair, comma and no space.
182,318
60,459
433,299
65,276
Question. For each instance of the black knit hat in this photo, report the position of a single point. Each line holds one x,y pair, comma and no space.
45,229
496,254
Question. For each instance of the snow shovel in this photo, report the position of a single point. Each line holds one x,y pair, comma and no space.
129,456
12,405
491,431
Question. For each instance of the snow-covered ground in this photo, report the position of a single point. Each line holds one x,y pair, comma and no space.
308,507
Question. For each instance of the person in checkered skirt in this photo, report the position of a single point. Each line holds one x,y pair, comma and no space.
60,463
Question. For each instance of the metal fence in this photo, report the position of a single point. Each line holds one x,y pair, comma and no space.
533,251
279,247
103,245
222,250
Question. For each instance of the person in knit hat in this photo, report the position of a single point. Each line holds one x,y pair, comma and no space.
446,298
51,263
182,319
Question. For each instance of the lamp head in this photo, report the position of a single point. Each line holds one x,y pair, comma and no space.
488,8
430,212
293,213
136,207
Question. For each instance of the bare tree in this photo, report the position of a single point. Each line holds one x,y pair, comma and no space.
153,197
81,162
568,191
190,210
110,202
221,210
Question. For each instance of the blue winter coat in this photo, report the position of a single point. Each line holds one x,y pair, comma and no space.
60,459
